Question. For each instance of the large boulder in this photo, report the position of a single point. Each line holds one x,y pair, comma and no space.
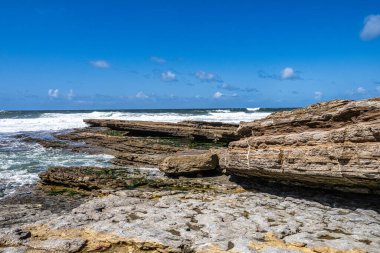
333,144
185,164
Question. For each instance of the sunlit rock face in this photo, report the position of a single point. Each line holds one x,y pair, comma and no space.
332,144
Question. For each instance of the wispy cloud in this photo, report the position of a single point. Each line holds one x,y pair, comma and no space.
70,94
318,95
53,93
168,76
205,76
371,29
141,95
230,87
157,60
265,75
361,90
100,64
287,73
217,94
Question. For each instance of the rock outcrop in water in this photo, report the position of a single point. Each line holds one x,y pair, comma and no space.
130,150
334,144
190,129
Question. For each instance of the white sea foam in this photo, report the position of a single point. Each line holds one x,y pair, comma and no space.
61,121
253,109
20,162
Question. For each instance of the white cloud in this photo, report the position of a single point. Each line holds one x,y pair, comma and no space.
53,93
100,64
361,90
168,76
371,29
141,95
288,73
158,60
318,95
70,94
218,94
205,76
378,89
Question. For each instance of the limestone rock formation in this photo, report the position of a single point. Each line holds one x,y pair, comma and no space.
171,221
130,150
190,129
189,164
331,144
334,144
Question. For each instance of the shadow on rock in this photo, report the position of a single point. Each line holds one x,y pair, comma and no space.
330,198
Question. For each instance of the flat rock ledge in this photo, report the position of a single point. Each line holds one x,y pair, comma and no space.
189,129
177,221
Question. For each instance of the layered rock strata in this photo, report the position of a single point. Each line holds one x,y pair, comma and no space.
334,144
132,150
189,129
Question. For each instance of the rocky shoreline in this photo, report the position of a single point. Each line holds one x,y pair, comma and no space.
306,180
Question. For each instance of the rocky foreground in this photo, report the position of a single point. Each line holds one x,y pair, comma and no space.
305,180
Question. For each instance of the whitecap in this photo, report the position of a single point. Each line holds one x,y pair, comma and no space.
253,109
56,121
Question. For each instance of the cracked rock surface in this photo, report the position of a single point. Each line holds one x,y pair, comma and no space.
242,221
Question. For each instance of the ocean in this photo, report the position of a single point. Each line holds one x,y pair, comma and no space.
20,162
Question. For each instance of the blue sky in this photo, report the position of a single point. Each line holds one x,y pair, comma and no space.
107,54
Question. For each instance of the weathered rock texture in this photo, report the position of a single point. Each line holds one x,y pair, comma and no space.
130,150
81,180
334,143
174,221
189,164
190,129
